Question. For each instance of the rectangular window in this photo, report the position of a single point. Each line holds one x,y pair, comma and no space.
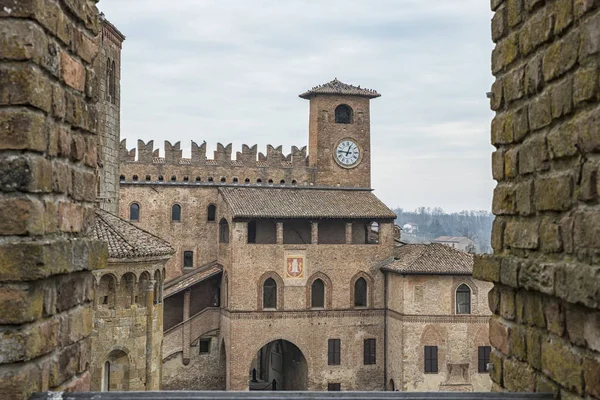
370,352
334,387
431,359
484,358
188,259
204,346
333,352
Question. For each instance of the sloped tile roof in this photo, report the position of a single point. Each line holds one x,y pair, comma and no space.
191,278
449,238
430,259
125,240
338,87
304,203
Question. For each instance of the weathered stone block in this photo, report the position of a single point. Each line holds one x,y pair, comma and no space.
537,276
534,309
517,342
521,123
555,315
499,28
518,376
533,339
514,12
540,112
507,303
496,360
22,216
562,364
554,193
590,37
534,80
583,6
522,234
531,4
533,155
497,100
561,56
65,366
585,85
499,335
591,375
578,283
504,201
563,15
561,95
588,188
22,130
497,240
588,126
25,86
505,53
562,140
550,235
21,302
514,85
502,129
509,272
486,268
23,380
525,198
33,341
498,165
535,32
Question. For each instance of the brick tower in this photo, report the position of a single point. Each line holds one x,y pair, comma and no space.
340,134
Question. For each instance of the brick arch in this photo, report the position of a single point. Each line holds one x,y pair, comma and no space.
370,286
433,335
110,290
457,281
328,289
285,338
260,283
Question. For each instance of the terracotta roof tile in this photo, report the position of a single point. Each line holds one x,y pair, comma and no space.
286,202
431,259
338,87
125,240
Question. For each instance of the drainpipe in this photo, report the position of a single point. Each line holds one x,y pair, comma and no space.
385,328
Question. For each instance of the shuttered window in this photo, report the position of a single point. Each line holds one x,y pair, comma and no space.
370,352
484,358
431,359
333,352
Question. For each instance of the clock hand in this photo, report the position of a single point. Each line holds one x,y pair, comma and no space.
348,151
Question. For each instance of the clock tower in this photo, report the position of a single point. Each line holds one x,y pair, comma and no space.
339,139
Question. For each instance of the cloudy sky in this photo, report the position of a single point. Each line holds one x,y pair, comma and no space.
230,71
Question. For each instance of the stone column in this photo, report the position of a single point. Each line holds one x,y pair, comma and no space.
279,232
348,232
149,332
314,232
186,326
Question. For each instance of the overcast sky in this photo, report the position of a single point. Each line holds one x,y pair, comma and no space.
230,71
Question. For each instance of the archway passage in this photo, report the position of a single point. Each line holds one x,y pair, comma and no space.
280,361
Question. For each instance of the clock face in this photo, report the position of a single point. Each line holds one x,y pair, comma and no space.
347,153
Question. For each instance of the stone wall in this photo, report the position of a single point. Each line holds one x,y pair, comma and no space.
47,193
546,297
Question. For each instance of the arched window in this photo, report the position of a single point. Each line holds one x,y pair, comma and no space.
148,178
223,231
134,212
294,182
211,213
463,299
197,179
106,377
343,114
360,293
186,179
282,182
173,178
107,86
161,178
176,213
270,181
122,178
270,293
247,180
223,180
259,180
113,84
235,180
317,294
135,178
210,179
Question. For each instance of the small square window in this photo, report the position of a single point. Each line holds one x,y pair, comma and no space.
204,346
334,387
105,300
188,259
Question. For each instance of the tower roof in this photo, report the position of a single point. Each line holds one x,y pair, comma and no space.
339,87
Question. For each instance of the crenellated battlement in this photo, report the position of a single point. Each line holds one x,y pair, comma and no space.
248,157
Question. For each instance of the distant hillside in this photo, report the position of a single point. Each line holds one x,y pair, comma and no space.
429,223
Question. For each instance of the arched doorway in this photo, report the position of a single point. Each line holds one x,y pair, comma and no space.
115,376
280,361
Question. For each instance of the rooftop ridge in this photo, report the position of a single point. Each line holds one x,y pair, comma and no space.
248,156
338,87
